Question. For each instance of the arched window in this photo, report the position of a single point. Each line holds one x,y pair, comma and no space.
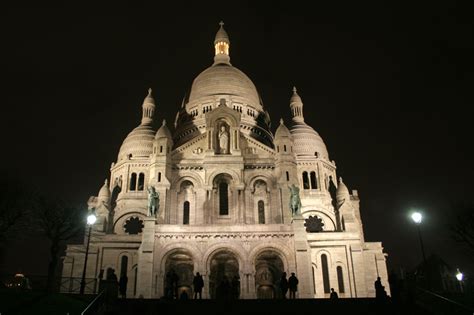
314,184
340,279
124,266
161,149
284,147
186,212
287,176
141,181
305,180
133,182
159,177
223,198
261,212
324,265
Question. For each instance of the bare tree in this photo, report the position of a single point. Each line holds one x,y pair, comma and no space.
14,204
463,227
60,223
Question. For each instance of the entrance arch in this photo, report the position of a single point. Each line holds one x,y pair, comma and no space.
180,262
224,279
268,270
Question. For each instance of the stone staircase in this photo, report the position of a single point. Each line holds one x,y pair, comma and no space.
270,307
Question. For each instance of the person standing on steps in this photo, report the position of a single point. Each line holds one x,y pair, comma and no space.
283,285
293,285
198,284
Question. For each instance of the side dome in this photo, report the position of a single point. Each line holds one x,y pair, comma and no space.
138,143
307,142
163,132
104,192
224,79
282,131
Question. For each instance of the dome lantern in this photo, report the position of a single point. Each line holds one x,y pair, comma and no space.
148,109
222,46
296,105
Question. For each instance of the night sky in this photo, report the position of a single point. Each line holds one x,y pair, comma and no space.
387,86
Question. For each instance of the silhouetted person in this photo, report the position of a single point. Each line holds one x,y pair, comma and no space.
293,285
198,284
235,287
333,294
112,285
123,286
283,285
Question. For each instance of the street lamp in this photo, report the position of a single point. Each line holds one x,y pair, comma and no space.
91,218
417,217
460,277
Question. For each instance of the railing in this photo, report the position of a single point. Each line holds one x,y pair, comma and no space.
439,304
97,305
73,285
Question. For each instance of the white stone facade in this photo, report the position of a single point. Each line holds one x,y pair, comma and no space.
225,211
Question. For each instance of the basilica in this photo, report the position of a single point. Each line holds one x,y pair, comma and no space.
226,196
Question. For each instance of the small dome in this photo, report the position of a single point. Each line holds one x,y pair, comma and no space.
139,142
104,192
221,35
307,142
163,132
342,192
282,131
295,98
224,79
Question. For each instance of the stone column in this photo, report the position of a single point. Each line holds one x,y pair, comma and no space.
303,259
205,292
145,260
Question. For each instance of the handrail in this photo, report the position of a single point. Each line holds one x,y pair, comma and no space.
446,299
84,312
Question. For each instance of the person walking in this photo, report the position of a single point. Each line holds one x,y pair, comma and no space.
293,285
123,286
283,285
198,284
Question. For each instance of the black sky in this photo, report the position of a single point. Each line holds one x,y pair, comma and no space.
387,86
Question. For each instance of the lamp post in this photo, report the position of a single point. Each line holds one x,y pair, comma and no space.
417,217
460,277
91,218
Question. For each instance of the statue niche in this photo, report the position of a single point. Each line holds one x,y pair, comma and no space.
223,139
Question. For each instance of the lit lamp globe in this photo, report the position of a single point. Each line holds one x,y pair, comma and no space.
417,217
459,275
91,218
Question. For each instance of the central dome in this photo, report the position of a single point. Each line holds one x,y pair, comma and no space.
223,79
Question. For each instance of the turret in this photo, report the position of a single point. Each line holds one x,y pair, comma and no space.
222,46
148,108
296,105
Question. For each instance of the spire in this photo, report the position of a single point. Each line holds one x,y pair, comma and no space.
221,45
296,106
148,109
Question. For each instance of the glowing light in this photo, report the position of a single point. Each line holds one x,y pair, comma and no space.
91,218
417,217
459,275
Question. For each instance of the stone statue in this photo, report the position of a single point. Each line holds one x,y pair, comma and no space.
153,201
295,201
223,141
